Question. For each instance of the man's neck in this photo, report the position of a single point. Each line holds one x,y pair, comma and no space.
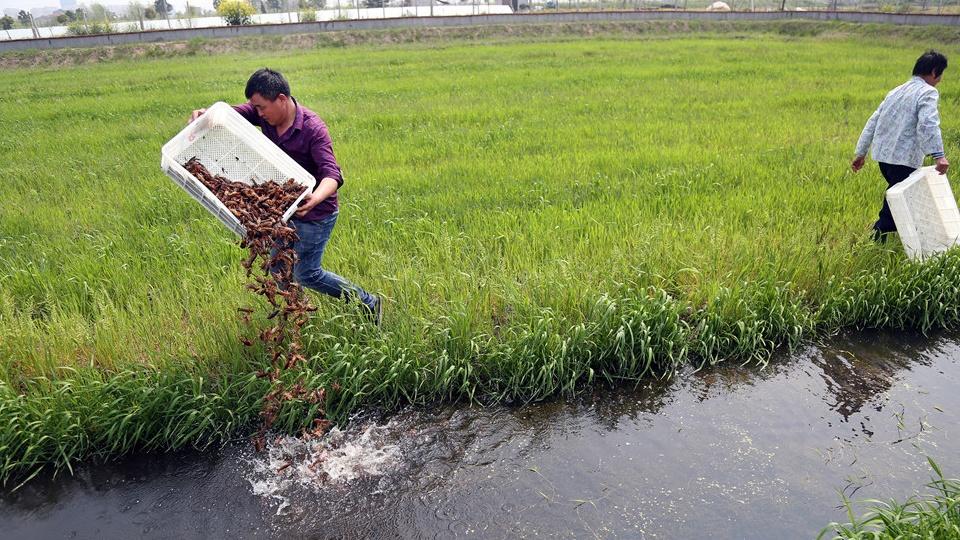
291,118
931,79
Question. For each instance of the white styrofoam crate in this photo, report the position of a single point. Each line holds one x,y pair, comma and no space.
925,212
228,145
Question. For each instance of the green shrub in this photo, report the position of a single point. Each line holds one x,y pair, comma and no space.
85,28
236,12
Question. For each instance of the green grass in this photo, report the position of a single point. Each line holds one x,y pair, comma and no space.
540,216
934,515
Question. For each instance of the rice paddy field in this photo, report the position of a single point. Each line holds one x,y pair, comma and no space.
541,215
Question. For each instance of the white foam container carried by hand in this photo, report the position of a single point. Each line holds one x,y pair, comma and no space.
925,213
228,145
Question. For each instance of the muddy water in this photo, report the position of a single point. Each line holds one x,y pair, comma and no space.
731,452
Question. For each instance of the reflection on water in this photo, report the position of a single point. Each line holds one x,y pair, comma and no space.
856,379
725,452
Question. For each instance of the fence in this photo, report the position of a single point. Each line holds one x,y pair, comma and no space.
154,36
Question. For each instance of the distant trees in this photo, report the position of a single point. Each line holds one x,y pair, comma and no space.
306,11
6,22
69,16
162,7
135,9
89,21
24,18
99,12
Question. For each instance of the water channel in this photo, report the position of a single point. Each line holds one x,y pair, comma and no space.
724,452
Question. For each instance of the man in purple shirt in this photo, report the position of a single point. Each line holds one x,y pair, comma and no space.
300,133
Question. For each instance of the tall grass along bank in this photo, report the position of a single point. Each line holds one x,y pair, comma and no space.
539,217
935,514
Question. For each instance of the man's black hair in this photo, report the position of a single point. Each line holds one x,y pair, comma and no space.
268,83
930,62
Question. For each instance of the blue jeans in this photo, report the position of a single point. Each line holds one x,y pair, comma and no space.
314,236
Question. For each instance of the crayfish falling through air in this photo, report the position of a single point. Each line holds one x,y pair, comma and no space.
269,243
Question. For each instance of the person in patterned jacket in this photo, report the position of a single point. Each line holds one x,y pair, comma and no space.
903,130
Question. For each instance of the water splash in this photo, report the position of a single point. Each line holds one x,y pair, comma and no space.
340,457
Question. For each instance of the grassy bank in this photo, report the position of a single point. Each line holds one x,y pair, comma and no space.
540,216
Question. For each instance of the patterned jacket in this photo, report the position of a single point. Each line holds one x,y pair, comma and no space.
905,127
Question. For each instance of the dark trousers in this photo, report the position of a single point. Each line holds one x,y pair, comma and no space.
894,174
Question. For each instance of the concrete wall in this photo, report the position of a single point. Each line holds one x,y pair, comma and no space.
155,36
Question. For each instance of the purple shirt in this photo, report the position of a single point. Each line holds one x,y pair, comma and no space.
307,141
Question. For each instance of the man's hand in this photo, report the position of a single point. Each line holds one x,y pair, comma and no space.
857,163
309,202
196,114
942,165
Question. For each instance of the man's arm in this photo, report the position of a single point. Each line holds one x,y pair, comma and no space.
246,110
321,149
928,129
866,138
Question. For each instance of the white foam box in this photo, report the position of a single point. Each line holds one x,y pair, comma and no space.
230,146
925,213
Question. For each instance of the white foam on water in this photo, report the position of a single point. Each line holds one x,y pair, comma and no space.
337,458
